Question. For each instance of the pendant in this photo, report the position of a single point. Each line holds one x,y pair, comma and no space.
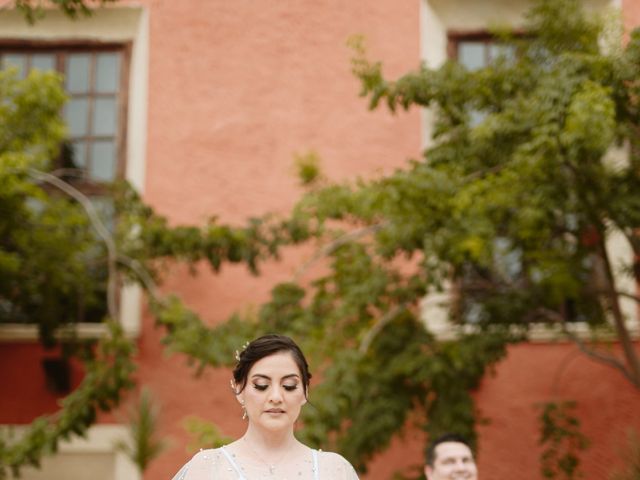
272,469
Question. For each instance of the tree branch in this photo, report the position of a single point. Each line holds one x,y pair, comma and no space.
591,353
633,362
329,248
378,326
97,224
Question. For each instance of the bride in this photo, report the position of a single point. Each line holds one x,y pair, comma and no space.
270,381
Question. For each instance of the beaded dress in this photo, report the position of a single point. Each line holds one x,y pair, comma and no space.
222,464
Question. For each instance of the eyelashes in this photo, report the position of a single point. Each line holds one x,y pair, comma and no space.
262,388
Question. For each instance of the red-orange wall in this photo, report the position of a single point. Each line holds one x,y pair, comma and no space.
631,14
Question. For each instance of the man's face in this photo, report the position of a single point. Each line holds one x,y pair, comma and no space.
453,461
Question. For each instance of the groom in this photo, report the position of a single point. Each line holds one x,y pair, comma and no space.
449,457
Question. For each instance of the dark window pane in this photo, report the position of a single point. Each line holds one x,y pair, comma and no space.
77,72
107,72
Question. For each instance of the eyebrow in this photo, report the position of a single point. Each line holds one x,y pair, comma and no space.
267,377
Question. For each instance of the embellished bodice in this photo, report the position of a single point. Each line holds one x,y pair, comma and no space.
222,464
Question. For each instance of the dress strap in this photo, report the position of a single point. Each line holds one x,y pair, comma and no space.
233,463
181,474
316,471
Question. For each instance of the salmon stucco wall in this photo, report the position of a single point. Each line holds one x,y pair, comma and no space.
235,91
630,14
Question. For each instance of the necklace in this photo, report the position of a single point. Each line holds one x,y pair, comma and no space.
270,465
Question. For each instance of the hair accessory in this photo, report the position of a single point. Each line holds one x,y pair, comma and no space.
238,353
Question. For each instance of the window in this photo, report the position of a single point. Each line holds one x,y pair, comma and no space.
121,30
95,80
92,156
478,50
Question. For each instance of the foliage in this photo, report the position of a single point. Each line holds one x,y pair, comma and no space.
631,458
562,440
38,231
521,204
144,445
34,10
204,434
308,168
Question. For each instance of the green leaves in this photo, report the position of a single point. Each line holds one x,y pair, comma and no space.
590,120
562,440
34,10
29,115
143,445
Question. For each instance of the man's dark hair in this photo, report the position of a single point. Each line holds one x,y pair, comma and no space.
447,437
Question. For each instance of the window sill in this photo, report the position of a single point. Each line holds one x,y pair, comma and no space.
130,315
19,332
541,333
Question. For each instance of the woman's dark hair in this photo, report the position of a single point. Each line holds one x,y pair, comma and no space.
263,347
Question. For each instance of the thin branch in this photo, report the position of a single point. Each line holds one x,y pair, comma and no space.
331,247
633,362
618,293
378,326
143,275
595,355
97,224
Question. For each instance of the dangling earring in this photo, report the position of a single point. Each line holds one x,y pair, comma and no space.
244,411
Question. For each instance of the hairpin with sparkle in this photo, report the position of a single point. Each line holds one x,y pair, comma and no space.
238,353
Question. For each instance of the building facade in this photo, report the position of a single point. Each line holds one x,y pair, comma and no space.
202,105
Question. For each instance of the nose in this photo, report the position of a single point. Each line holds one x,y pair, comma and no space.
461,466
275,394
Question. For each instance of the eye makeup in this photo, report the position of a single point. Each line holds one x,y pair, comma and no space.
262,387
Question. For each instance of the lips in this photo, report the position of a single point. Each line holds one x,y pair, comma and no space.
275,410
